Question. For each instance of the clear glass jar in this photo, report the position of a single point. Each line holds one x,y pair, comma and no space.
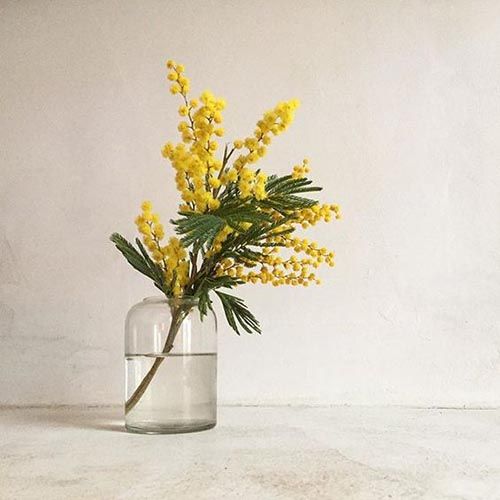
171,367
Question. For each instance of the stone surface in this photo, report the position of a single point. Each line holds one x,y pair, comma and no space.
254,453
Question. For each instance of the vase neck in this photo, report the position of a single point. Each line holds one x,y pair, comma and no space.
172,301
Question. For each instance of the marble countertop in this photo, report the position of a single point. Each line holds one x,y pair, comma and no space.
254,453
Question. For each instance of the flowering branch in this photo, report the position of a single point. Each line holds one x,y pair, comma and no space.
236,225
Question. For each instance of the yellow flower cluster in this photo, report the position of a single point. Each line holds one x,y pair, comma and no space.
207,122
203,122
274,122
176,266
300,171
199,174
197,169
292,270
172,256
277,271
252,184
180,84
229,176
190,177
311,216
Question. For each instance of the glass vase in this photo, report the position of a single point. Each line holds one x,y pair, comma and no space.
171,367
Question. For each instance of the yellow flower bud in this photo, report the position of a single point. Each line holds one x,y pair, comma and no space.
175,88
214,204
214,182
146,206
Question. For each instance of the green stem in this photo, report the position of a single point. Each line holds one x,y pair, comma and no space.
178,315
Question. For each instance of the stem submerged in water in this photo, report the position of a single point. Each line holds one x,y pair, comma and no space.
178,315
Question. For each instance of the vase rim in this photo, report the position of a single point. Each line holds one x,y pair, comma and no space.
157,299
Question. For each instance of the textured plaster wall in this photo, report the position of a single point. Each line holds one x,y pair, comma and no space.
400,117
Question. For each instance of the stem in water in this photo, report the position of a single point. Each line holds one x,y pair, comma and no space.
178,315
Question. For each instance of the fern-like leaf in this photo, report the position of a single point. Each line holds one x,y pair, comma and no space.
238,314
139,260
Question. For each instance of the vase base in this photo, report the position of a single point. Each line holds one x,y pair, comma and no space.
180,428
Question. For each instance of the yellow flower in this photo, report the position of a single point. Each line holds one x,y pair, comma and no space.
213,204
158,231
214,182
147,206
232,175
259,190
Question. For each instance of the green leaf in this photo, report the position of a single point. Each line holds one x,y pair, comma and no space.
238,314
204,302
198,228
134,258
138,260
155,268
206,285
281,193
288,185
284,204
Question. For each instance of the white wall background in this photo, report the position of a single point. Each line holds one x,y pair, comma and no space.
400,117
